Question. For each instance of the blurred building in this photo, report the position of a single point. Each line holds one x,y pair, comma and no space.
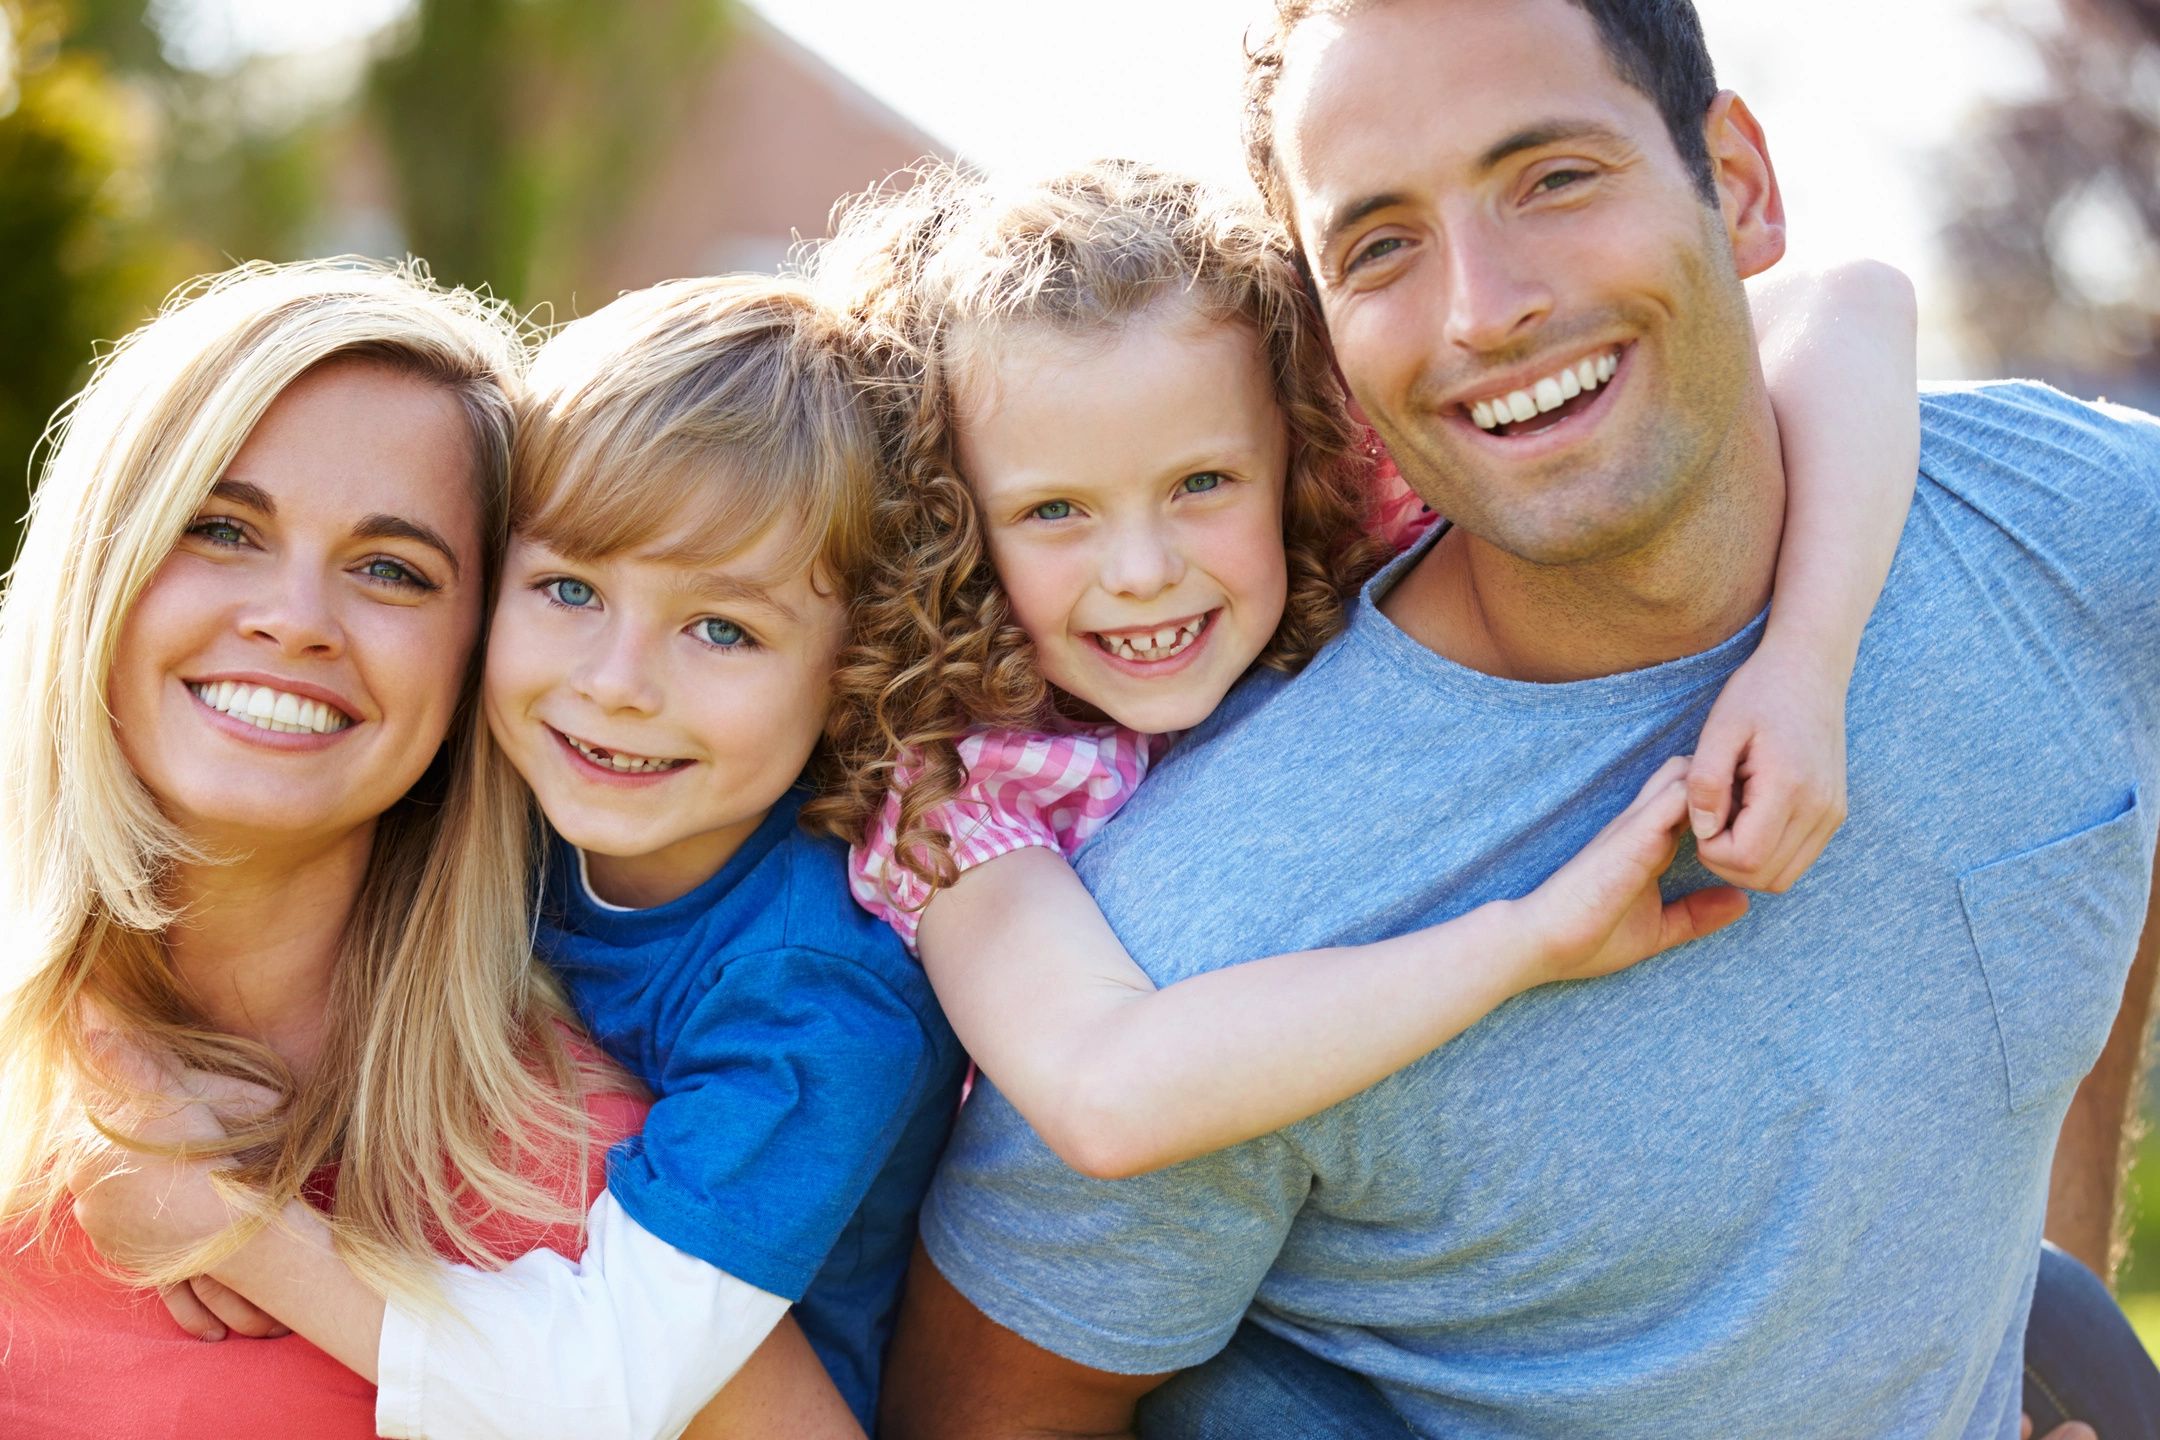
766,144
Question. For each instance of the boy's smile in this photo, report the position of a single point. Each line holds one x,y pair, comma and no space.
656,725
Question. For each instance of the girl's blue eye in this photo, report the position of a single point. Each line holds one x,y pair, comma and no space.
1052,510
722,634
1201,483
574,593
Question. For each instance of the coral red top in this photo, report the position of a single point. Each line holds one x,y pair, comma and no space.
84,1358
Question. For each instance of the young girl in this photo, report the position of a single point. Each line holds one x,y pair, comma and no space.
1124,474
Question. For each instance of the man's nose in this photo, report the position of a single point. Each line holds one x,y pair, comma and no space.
1496,295
296,612
1142,561
620,672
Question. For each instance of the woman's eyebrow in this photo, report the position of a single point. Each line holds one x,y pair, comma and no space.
240,492
396,527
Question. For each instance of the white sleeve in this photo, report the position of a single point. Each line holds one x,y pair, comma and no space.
629,1342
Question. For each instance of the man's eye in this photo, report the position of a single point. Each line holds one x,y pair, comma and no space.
1379,249
1559,180
1052,510
722,634
572,594
1201,483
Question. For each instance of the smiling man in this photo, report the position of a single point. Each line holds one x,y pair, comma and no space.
1788,1183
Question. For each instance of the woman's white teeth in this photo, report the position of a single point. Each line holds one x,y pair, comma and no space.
616,760
268,709
1546,395
1161,645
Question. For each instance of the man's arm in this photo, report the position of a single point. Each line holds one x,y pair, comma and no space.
953,1373
2093,1155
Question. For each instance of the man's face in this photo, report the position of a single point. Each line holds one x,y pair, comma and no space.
1500,227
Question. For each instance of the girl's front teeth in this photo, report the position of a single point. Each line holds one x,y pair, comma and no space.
268,709
1164,643
616,760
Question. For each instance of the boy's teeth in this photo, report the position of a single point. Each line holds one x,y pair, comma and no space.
280,711
617,761
1546,395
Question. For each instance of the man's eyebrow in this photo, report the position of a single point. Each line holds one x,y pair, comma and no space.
1344,216
240,492
1547,132
397,527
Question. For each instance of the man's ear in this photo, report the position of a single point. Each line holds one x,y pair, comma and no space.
1747,186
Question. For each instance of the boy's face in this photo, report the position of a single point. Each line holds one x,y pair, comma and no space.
659,709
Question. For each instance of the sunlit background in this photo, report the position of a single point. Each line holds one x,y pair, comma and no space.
2006,153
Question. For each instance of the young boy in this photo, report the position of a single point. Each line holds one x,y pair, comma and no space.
691,497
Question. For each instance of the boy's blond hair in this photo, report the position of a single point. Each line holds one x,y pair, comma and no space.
688,420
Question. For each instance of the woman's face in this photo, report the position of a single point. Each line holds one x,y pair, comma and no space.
294,664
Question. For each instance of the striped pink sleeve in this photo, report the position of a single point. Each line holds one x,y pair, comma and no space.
1022,789
1399,518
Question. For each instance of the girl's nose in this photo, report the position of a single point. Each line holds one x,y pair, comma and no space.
1142,561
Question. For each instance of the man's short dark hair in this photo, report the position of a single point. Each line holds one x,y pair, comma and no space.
1656,46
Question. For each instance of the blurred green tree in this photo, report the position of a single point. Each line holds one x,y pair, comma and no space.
518,128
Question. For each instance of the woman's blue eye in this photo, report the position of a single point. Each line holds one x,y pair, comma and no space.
218,532
722,634
1201,483
1052,510
396,572
574,593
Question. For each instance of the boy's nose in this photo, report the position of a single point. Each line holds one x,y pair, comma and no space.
620,674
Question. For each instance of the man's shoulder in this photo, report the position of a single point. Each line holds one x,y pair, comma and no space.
2031,426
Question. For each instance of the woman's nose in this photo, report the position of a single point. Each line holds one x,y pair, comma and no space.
297,612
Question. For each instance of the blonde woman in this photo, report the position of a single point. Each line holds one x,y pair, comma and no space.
260,846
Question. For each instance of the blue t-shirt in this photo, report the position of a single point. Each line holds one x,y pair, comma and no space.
804,1079
1787,1181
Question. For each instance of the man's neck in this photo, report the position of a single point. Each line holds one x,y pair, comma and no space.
256,947
1697,581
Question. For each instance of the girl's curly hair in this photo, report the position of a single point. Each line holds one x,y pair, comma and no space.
927,274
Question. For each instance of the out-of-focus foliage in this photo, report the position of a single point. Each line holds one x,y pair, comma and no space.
2054,206
518,127
80,257
508,135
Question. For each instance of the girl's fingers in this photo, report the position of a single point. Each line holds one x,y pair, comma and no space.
238,1314
190,1313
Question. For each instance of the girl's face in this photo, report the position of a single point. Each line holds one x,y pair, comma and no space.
294,664
1131,488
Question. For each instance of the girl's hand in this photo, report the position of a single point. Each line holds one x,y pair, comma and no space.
1601,911
1776,737
140,1205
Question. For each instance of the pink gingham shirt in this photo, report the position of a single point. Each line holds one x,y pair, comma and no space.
1055,790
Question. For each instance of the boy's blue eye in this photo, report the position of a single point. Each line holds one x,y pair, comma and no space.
722,634
1201,483
574,593
1052,510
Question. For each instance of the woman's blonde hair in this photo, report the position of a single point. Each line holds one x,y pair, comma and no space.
932,275
444,1073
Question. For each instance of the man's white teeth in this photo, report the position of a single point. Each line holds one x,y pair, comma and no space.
268,709
1164,643
1546,395
617,761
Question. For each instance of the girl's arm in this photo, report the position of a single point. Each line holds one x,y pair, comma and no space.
1120,1078
1838,352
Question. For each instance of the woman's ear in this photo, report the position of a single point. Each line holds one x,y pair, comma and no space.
1747,187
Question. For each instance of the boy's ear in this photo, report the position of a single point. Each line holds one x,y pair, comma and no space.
1747,186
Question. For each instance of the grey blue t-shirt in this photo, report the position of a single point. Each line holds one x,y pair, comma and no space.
1786,1181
